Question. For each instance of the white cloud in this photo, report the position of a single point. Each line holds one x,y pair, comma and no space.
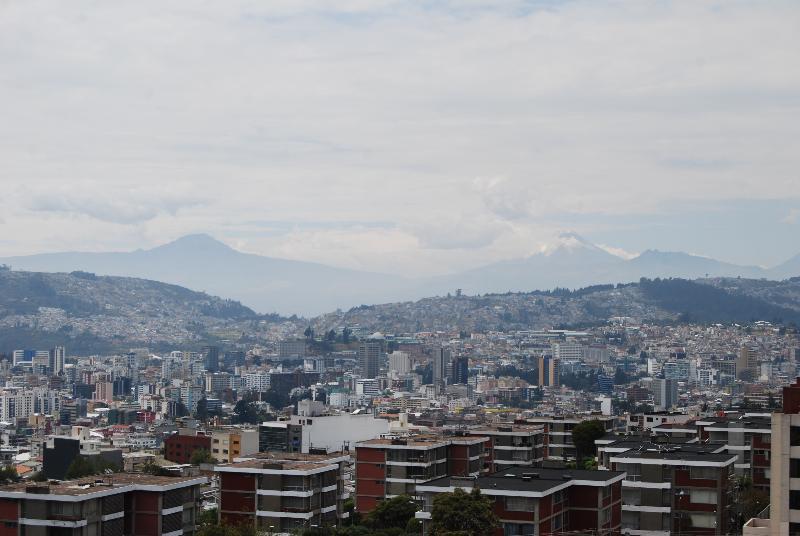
468,125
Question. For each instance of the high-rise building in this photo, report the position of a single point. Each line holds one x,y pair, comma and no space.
211,358
665,393
460,370
548,371
440,362
57,356
747,363
569,350
399,362
233,359
369,358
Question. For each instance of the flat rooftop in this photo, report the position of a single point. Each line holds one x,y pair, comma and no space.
96,484
528,479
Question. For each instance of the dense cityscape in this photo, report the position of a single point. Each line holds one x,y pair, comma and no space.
331,428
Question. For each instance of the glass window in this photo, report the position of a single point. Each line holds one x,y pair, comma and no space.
794,499
705,521
702,496
519,504
794,436
794,468
702,473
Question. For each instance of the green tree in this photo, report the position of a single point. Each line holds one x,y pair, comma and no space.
84,466
202,409
394,513
584,435
208,517
245,412
201,456
464,514
8,474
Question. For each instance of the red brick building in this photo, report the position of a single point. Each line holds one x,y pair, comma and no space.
511,444
283,491
542,501
386,468
179,448
117,505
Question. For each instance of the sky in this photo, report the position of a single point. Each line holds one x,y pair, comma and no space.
405,137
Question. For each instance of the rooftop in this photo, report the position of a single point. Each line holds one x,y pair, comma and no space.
95,484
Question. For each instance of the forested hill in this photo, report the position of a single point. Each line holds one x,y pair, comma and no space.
720,300
90,312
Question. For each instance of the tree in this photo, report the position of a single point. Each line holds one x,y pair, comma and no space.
465,514
584,435
309,333
394,513
201,456
245,412
84,466
202,409
207,517
8,474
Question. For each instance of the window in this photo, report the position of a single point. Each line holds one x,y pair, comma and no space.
558,497
518,529
794,499
702,496
606,492
605,516
709,473
557,522
705,521
794,436
519,504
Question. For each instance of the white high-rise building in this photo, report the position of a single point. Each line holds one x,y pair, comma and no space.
567,351
256,382
57,356
399,362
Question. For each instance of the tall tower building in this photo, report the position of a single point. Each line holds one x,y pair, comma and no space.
746,363
369,358
460,369
399,362
665,393
211,358
548,371
440,361
57,356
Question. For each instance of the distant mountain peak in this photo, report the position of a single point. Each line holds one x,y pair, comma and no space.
198,241
569,242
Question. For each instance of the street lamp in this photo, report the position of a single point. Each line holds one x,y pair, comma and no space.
680,494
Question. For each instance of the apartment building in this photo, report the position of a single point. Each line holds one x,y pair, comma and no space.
283,492
541,501
122,505
749,438
179,447
558,443
675,490
784,503
386,468
229,444
510,445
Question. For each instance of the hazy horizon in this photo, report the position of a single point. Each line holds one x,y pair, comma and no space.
402,137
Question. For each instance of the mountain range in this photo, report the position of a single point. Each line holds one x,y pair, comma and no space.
269,284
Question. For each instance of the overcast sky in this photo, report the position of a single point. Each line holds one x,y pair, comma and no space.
403,137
